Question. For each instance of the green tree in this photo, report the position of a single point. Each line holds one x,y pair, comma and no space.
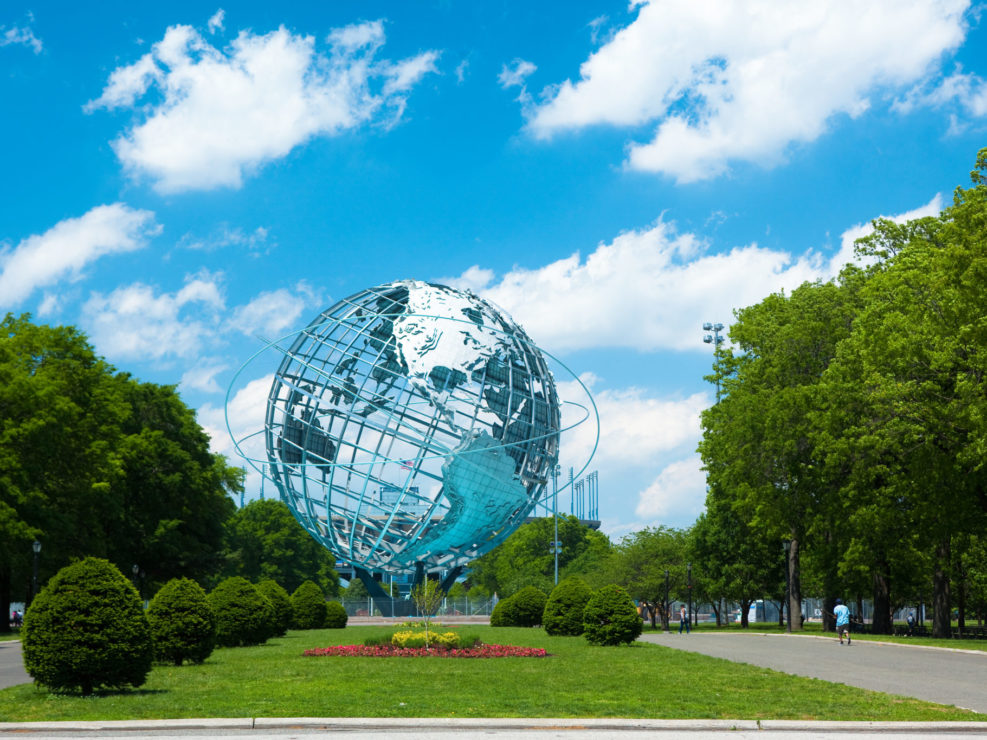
525,558
60,417
563,613
243,615
281,602
265,541
639,563
95,463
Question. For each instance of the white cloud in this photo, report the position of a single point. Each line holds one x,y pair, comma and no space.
64,251
743,81
642,291
461,70
202,377
225,112
967,90
678,494
135,322
516,74
216,21
246,420
256,241
20,36
273,313
645,289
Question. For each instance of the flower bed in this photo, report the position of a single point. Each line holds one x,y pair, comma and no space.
392,651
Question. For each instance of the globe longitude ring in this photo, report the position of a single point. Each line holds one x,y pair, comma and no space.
411,424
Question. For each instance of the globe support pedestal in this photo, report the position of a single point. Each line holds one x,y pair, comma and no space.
397,607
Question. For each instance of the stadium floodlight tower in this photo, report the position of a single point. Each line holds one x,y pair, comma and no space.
411,428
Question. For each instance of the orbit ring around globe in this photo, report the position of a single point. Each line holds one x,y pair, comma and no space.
411,425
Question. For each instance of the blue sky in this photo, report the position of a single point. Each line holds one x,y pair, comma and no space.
181,179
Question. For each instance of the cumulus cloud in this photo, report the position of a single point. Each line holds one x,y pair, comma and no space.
516,74
64,251
216,21
677,494
642,291
272,313
255,242
137,322
20,36
718,95
202,377
246,421
964,89
223,113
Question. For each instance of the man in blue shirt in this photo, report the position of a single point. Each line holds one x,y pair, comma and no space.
842,614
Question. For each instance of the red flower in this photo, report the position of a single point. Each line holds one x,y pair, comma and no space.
390,651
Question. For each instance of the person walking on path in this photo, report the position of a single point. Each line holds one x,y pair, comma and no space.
842,614
683,620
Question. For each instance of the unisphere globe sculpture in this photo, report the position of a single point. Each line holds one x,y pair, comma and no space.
411,425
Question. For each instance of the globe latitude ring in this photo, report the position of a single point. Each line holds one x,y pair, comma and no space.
411,425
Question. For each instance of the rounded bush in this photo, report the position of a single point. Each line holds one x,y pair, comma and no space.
335,615
503,613
183,626
563,613
308,607
281,602
610,617
87,630
529,605
243,615
523,609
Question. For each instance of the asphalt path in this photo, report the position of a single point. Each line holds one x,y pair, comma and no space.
12,664
941,675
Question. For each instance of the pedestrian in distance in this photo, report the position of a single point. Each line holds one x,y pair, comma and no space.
842,614
683,620
910,621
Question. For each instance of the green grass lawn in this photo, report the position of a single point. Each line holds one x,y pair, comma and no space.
578,680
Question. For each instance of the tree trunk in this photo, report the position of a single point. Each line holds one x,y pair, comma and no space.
5,577
781,613
961,606
716,611
745,607
795,589
940,593
882,599
828,620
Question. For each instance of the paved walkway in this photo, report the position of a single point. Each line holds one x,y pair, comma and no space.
12,664
941,675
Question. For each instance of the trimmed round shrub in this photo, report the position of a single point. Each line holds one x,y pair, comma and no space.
523,609
243,615
503,613
563,613
335,615
183,626
611,618
87,630
308,607
529,605
281,602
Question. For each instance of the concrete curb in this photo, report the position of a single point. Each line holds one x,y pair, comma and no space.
445,724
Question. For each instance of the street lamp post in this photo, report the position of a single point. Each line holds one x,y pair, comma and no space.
716,340
787,544
36,546
688,570
665,613
555,516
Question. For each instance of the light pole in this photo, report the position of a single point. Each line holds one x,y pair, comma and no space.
716,340
665,613
787,544
555,516
36,546
688,570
